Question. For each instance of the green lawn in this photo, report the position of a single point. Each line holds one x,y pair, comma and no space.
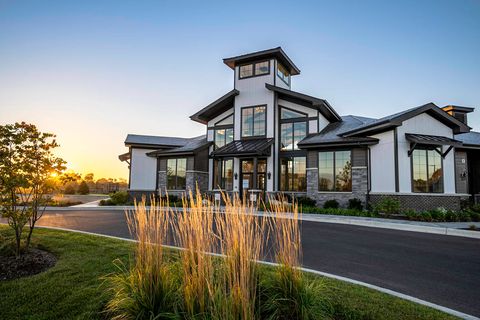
73,289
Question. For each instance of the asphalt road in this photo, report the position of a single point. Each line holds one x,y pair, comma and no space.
440,269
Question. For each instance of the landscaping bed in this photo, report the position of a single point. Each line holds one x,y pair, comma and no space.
74,288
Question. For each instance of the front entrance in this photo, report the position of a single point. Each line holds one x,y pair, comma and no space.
253,175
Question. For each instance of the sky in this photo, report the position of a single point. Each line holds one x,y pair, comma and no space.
94,71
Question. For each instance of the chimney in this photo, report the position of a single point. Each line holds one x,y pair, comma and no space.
458,112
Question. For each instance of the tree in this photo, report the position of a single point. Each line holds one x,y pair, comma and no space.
27,168
70,189
83,188
88,177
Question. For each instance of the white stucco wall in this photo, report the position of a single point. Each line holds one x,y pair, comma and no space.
423,124
382,161
143,168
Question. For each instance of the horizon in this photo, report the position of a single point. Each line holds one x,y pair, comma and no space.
94,72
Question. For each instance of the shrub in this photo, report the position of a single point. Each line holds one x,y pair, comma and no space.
438,214
475,216
451,216
388,206
476,208
331,204
411,215
69,189
119,198
355,204
306,202
83,188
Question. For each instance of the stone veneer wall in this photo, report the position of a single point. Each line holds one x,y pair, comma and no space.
422,201
359,188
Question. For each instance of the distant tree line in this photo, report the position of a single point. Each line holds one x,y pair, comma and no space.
76,184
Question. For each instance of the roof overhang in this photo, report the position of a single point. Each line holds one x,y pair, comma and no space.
243,148
276,53
424,139
320,104
338,144
124,156
215,108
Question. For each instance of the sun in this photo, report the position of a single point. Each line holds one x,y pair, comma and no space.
53,174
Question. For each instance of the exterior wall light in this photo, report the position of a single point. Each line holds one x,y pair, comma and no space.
235,176
269,175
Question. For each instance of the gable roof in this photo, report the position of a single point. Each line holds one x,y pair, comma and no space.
396,119
154,141
331,135
192,145
470,139
320,104
216,107
276,53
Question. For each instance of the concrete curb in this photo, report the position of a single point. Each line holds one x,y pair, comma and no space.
356,221
324,274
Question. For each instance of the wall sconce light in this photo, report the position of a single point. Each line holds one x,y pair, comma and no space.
235,176
269,175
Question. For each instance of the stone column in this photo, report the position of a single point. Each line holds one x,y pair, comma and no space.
360,183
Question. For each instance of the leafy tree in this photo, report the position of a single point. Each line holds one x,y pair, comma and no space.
83,188
70,189
27,167
88,177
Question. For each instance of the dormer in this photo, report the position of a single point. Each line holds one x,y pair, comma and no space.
270,66
458,112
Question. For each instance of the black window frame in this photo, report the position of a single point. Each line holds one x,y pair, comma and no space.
176,173
288,158
253,120
427,148
253,64
222,170
334,170
305,119
281,77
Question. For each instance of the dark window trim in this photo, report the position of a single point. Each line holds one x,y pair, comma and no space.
334,167
289,75
233,173
226,127
241,122
425,148
176,171
291,156
253,69
291,120
230,115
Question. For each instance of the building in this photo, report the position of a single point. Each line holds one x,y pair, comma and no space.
263,138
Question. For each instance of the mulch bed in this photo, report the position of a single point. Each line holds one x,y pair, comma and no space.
29,263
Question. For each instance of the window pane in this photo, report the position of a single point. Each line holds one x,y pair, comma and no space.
247,166
299,174
435,172
261,68
246,71
283,73
219,138
325,171
247,122
343,168
181,173
284,174
171,173
262,165
289,114
228,120
228,135
228,174
286,136
419,161
300,132
259,121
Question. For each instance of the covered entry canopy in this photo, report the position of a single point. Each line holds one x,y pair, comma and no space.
424,139
251,147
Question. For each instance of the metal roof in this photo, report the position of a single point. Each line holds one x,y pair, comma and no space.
190,147
216,107
276,53
250,147
432,140
143,140
331,134
471,138
396,119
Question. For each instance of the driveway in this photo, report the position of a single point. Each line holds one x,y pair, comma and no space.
440,269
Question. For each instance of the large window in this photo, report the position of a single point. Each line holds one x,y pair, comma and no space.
253,121
335,171
293,174
283,74
223,174
254,69
293,128
176,172
223,137
427,173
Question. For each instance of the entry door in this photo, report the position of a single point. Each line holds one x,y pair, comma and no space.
253,178
247,176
